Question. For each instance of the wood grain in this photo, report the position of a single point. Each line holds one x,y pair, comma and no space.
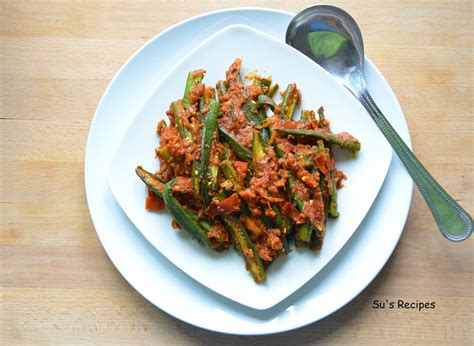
58,285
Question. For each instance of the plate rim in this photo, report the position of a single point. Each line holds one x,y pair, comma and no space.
89,194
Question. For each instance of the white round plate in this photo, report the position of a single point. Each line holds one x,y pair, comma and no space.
163,284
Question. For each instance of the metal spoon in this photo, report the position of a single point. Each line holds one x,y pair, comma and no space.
331,37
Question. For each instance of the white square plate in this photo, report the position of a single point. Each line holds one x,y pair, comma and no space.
224,272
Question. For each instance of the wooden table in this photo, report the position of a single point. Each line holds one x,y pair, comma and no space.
58,285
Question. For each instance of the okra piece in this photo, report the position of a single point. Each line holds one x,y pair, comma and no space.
204,225
210,126
307,115
299,203
222,87
242,152
235,77
251,112
194,78
332,207
183,217
257,82
179,114
321,117
289,102
264,100
165,154
290,99
330,198
272,91
344,140
280,153
206,97
258,151
279,221
247,248
284,224
214,175
231,174
302,231
202,103
196,176
303,235
256,117
267,221
154,183
266,82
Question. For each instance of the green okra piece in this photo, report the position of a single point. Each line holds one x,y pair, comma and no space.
251,112
153,182
257,82
204,101
332,207
214,175
235,76
264,100
179,114
279,220
290,99
284,224
207,227
210,126
272,90
331,199
258,151
262,115
242,152
266,82
288,104
278,223
307,115
267,221
286,245
253,262
165,154
194,78
280,153
183,216
222,87
256,117
304,115
321,117
344,140
231,174
303,234
266,131
196,177
299,203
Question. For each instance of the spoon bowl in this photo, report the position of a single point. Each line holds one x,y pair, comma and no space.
331,37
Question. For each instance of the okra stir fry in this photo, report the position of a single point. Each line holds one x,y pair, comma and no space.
237,169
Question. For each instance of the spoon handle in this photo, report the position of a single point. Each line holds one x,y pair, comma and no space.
453,221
